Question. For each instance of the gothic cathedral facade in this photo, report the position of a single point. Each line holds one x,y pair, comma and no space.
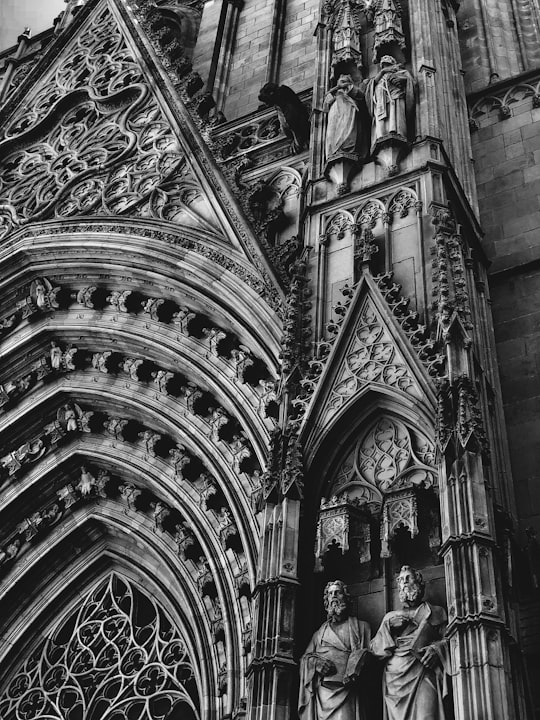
269,316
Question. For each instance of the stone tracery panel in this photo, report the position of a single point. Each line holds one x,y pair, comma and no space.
372,359
93,140
389,457
117,655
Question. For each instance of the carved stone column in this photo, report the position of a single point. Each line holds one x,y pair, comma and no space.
477,623
272,670
478,637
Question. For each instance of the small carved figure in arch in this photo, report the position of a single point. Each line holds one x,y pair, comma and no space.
86,483
56,356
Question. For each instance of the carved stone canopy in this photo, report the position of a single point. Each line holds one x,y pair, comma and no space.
379,479
344,524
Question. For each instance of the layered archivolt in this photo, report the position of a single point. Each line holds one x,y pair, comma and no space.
191,532
138,418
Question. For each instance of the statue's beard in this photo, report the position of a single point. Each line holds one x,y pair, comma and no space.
336,610
410,594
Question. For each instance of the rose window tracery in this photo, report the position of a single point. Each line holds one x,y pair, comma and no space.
116,657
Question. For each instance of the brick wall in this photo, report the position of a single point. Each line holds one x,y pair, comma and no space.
251,50
249,59
507,162
299,45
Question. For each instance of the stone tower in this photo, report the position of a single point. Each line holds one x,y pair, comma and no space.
268,317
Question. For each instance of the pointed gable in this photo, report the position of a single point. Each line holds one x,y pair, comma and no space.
90,133
371,351
92,139
372,358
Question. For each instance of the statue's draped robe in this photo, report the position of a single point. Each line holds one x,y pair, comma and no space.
343,124
327,698
410,690
390,102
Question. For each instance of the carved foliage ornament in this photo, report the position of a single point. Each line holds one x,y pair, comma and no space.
93,141
117,655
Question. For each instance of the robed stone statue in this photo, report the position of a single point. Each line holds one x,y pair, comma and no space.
330,667
343,126
390,98
416,656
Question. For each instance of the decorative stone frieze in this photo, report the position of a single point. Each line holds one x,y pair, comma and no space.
489,103
71,419
188,322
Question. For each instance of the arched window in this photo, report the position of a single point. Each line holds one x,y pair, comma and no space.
115,657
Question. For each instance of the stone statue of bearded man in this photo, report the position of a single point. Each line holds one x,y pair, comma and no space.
411,643
330,666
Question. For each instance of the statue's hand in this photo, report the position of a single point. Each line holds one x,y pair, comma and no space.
398,622
429,657
325,667
350,679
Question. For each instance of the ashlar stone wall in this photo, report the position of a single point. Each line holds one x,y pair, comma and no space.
506,150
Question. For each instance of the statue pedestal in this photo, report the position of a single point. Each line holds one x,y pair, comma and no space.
389,150
339,168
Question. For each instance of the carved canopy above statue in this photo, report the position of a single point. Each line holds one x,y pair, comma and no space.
379,478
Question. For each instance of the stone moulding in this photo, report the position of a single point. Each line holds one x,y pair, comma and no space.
498,101
205,249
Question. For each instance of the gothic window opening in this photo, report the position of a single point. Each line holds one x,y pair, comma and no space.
115,657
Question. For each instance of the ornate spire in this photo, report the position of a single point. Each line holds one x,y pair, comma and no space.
386,16
344,19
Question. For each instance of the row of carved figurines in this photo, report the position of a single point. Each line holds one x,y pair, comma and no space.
389,98
410,642
361,117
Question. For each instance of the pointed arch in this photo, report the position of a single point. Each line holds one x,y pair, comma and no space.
107,537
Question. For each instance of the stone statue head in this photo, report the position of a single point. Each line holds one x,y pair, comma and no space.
411,586
336,600
387,60
345,81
